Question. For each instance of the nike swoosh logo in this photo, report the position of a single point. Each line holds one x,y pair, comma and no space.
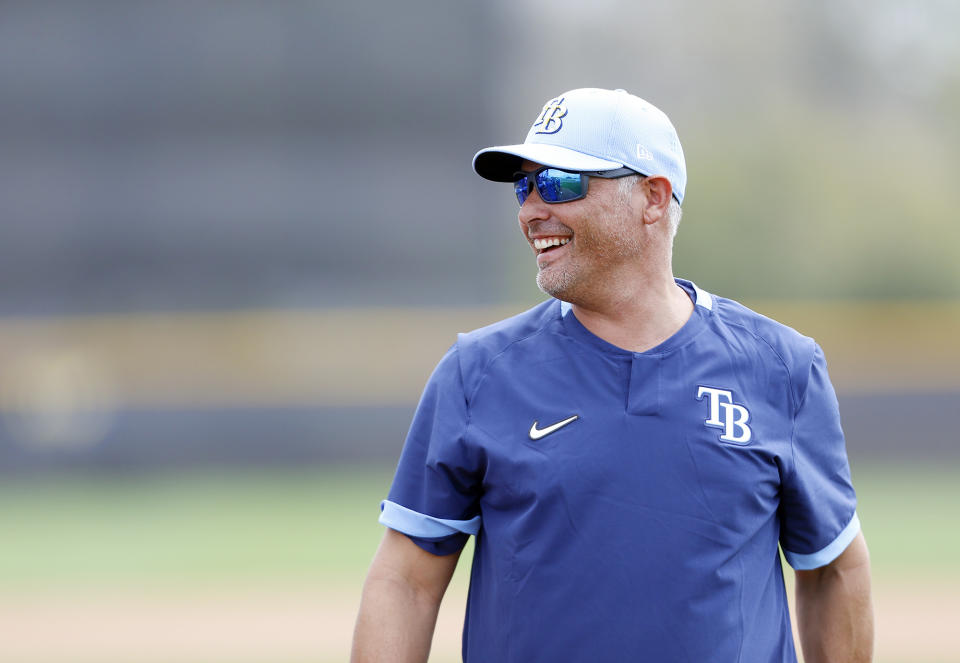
537,433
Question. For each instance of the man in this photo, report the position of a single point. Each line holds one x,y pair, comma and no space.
628,454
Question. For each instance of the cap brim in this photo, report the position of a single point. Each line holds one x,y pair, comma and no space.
500,163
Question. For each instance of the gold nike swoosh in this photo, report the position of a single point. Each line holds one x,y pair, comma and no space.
537,433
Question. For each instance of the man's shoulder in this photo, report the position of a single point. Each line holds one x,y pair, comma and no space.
794,349
496,337
477,350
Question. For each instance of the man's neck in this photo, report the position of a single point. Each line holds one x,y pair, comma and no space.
639,320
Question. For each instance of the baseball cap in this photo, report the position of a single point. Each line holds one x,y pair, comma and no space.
593,129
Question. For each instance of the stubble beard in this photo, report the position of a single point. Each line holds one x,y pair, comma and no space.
555,281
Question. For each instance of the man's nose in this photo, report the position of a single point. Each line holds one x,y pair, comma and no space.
533,208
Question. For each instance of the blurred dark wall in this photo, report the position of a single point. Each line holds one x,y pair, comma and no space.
178,155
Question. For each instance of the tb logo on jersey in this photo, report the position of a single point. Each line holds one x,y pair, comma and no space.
726,415
550,120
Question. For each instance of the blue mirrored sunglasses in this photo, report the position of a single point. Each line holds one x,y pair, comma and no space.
559,186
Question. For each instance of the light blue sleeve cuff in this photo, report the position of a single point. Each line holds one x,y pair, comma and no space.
417,524
828,554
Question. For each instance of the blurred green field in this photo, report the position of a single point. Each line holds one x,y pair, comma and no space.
208,527
317,528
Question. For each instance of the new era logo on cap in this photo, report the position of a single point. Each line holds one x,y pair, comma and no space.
592,129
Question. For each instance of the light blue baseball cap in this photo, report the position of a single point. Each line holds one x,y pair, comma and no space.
593,129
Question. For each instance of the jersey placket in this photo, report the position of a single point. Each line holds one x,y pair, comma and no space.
644,389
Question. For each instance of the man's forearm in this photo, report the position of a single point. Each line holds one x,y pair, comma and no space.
835,609
401,598
395,623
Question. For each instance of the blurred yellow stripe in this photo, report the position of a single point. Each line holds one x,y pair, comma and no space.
384,356
238,359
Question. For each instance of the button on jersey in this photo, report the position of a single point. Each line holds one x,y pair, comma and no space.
628,506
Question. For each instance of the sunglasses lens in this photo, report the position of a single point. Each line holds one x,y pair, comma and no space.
522,188
558,186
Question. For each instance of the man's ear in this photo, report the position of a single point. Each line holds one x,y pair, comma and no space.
658,191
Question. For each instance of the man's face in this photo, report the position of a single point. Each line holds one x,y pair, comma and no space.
582,246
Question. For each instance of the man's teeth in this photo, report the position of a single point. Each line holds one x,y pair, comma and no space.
541,244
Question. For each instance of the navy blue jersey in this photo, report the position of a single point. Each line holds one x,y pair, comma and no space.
628,506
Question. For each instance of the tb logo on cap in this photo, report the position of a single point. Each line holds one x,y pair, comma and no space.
726,415
550,117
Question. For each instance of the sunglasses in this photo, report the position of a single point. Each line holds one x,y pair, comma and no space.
560,186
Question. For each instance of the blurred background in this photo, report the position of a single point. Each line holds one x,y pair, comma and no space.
235,237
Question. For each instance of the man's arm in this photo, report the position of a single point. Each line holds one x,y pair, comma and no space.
401,597
834,608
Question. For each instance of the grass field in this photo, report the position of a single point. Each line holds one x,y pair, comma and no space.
267,566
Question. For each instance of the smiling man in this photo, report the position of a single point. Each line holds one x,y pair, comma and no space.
629,454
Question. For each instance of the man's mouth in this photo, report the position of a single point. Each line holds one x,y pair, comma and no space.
547,243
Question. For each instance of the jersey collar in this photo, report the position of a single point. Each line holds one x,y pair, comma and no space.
703,309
